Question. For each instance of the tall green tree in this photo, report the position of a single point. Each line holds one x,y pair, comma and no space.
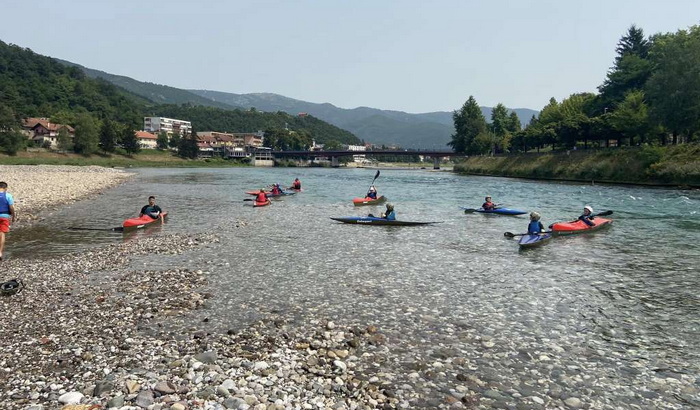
11,139
188,147
64,140
86,134
129,141
469,123
514,124
162,141
500,128
174,140
673,90
631,118
631,70
108,136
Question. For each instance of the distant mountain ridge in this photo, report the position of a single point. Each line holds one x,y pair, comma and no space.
430,130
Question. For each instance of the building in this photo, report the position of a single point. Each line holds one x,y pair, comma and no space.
147,139
169,125
43,132
229,145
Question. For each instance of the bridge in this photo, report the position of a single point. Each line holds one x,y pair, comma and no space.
334,155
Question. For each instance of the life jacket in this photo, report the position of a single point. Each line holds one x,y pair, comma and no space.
487,206
261,197
4,204
391,216
534,228
297,184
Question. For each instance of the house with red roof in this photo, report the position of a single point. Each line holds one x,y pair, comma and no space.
44,132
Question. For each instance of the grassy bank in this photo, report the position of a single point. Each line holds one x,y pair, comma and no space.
674,165
146,158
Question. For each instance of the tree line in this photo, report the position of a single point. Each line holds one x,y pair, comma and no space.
650,96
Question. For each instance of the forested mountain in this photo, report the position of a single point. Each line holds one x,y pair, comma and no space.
32,85
426,130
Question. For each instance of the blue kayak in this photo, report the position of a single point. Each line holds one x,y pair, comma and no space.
497,211
370,220
531,241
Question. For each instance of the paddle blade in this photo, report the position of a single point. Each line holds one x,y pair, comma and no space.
509,234
606,213
376,175
249,199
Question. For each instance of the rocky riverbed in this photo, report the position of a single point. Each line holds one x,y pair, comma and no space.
41,187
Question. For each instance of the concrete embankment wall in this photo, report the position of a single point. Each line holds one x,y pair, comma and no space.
675,165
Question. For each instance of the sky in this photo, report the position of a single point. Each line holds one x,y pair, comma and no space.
413,56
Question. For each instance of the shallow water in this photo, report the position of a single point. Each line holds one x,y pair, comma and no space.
623,297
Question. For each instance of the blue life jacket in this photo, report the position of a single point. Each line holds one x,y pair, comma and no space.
534,228
4,204
391,216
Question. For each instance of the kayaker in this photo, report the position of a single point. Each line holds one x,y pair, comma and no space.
488,205
261,197
7,214
296,184
587,216
535,227
276,190
372,193
151,209
389,214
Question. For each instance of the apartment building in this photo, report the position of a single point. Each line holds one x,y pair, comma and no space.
169,125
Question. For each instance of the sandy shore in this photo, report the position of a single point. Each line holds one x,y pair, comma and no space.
39,188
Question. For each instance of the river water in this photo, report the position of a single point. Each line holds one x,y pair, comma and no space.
602,314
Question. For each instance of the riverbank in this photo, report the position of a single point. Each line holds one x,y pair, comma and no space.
145,159
38,188
669,166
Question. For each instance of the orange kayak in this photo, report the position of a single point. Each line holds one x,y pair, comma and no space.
368,201
142,222
574,227
266,203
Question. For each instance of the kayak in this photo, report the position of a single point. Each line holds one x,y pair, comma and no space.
266,203
497,211
370,220
574,227
142,222
368,201
531,241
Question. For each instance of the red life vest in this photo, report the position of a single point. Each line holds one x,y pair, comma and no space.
261,197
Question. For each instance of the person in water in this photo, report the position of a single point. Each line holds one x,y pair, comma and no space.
587,216
296,184
7,214
535,227
372,193
151,209
261,197
488,205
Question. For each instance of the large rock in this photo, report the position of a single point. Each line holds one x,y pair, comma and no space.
72,397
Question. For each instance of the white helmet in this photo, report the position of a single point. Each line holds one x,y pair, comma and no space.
590,209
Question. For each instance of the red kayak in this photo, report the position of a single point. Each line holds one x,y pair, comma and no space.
574,227
142,222
266,203
368,201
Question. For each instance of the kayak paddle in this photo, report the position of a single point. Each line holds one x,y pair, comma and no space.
116,229
513,235
469,210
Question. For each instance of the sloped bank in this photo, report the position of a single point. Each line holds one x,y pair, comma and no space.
672,166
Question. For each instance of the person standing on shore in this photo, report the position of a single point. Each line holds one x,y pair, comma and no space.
151,209
7,214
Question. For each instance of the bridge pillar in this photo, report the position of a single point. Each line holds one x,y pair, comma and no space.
334,162
436,163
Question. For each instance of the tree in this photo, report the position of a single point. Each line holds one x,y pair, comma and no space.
129,141
11,139
86,134
500,125
65,142
514,124
673,90
174,140
188,147
162,141
469,123
108,136
631,118
631,71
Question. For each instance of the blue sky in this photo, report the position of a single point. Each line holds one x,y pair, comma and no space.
414,56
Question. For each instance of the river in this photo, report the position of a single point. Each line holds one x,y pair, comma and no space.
608,313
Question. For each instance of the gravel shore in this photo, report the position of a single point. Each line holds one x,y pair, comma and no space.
41,187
